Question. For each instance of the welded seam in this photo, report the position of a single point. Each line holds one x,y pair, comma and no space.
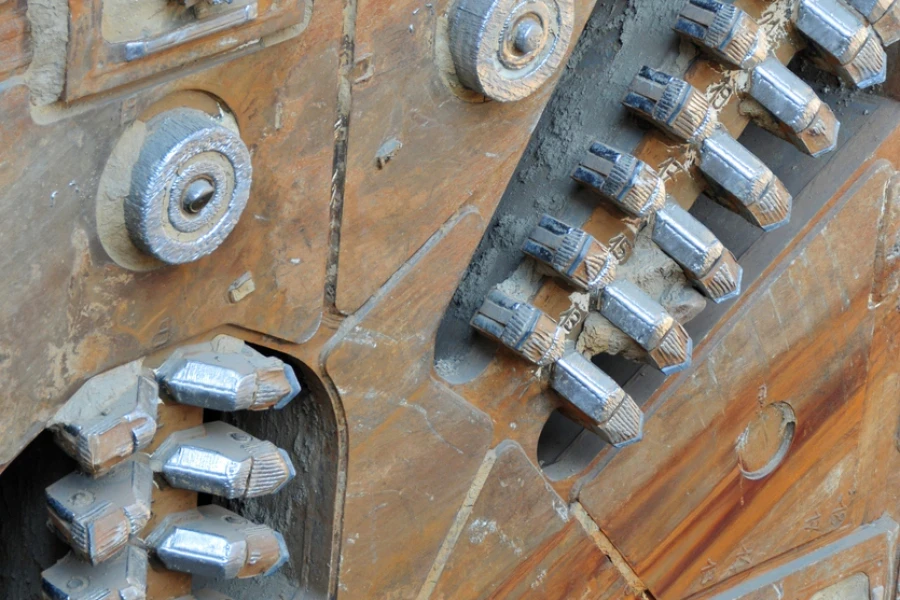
336,212
341,142
462,517
606,547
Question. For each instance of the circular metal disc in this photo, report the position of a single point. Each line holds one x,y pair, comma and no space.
507,49
183,147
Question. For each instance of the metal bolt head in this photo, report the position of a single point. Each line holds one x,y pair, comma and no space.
106,430
170,213
122,577
597,401
743,182
97,517
227,375
507,49
847,43
528,35
197,195
211,541
220,459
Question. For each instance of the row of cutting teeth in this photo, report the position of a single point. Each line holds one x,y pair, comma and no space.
102,510
848,41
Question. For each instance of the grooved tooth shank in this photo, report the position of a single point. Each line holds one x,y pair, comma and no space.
869,67
123,576
744,182
627,182
698,252
578,257
520,327
213,542
725,31
645,321
671,104
598,401
849,45
803,118
105,432
96,517
217,458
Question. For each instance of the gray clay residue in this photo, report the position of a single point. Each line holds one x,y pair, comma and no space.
620,37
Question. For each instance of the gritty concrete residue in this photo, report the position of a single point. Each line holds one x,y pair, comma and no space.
49,21
619,38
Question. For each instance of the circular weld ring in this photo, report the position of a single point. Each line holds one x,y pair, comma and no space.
182,146
483,38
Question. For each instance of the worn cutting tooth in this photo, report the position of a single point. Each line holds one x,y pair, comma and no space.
803,118
744,182
104,429
725,31
122,577
594,399
644,320
850,46
573,253
220,459
97,517
211,541
671,104
227,375
706,262
520,327
627,182
598,401
882,15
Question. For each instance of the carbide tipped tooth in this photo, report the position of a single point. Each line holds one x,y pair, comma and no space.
211,541
106,430
227,375
597,400
97,517
671,104
802,117
744,182
644,320
725,31
852,47
220,459
632,185
706,262
577,256
123,576
882,15
520,327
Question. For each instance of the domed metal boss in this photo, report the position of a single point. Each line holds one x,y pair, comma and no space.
507,49
188,188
